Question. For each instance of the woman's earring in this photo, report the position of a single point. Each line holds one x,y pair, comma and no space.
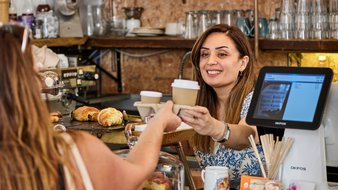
240,73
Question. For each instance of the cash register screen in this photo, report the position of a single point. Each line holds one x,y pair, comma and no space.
289,97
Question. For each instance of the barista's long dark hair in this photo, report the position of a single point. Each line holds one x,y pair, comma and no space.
29,148
245,83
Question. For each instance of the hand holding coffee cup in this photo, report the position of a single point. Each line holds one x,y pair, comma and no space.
216,178
185,92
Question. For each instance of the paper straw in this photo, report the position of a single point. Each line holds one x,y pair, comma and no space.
253,144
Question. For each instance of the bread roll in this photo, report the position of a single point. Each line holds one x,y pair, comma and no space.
109,117
85,113
55,116
54,119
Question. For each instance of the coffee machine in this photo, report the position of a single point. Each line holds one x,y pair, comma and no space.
61,86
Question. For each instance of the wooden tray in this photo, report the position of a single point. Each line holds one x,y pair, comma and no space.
174,137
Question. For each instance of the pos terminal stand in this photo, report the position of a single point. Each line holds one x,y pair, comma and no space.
305,164
294,98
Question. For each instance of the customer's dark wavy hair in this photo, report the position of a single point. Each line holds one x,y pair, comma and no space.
245,83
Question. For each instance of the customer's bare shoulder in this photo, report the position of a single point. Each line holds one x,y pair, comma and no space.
101,163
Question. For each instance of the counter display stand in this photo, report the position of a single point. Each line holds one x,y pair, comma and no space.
305,164
175,139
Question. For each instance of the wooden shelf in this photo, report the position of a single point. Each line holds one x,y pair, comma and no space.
299,45
169,42
166,42
60,42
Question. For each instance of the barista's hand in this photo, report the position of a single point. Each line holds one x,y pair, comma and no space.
200,119
166,115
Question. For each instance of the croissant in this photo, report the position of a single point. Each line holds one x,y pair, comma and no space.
85,113
110,116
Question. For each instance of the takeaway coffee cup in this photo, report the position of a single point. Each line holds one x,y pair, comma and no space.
215,177
185,92
150,97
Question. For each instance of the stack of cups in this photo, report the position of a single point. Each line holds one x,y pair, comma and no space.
190,26
204,21
319,20
302,24
185,92
273,29
228,17
333,19
286,19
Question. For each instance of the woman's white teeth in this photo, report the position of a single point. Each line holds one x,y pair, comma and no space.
214,72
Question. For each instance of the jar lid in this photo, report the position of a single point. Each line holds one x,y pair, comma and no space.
151,93
189,84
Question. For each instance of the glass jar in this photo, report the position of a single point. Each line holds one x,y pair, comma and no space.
169,172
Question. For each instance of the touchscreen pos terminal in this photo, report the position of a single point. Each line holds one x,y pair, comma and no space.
293,98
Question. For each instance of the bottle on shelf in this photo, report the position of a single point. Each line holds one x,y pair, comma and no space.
47,24
13,13
27,17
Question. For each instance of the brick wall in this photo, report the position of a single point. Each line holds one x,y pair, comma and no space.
156,72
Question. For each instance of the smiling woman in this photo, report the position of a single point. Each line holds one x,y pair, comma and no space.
224,69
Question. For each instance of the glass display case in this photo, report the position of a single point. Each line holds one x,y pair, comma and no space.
168,175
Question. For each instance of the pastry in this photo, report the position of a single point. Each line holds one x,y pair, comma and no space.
55,117
85,113
157,182
109,117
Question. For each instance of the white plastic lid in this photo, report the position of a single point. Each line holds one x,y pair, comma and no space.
189,84
151,93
